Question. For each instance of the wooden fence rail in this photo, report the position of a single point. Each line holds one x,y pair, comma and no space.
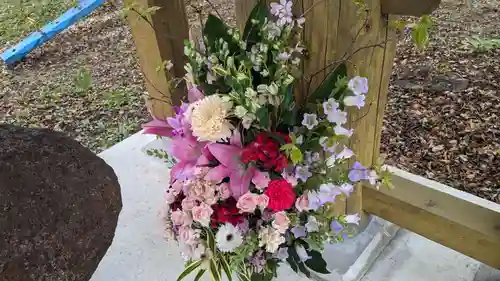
455,219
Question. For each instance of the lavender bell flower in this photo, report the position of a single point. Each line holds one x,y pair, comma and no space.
358,85
341,131
336,226
346,153
282,254
358,173
299,231
310,120
327,194
357,101
302,173
353,219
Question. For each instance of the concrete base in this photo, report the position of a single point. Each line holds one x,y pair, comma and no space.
380,253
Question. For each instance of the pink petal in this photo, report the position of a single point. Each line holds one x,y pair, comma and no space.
185,149
217,174
228,155
239,183
194,94
202,161
158,127
236,138
260,179
181,171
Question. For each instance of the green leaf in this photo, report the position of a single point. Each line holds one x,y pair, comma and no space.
215,29
262,277
189,268
263,116
304,269
251,31
296,155
287,146
210,240
200,274
292,264
313,244
215,271
225,267
317,263
325,89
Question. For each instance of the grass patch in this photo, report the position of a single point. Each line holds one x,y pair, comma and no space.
18,18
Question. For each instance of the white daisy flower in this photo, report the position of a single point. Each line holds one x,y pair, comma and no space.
228,238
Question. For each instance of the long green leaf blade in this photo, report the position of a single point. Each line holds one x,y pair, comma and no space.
214,271
189,268
210,240
200,274
225,267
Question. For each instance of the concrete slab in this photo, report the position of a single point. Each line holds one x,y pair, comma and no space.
411,257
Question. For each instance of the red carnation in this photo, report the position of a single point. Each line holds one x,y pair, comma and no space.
265,151
281,195
226,212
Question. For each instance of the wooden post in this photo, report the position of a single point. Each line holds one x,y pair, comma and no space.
333,29
159,37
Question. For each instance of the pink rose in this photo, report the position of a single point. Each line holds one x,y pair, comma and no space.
302,203
181,218
247,203
188,203
202,214
262,200
224,191
281,222
188,236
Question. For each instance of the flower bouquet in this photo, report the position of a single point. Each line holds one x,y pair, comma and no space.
255,171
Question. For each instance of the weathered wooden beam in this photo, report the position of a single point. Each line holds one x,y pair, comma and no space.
159,37
409,7
455,219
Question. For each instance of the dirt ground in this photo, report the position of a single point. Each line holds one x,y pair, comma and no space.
442,119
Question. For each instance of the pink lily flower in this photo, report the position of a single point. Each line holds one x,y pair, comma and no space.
231,166
173,125
158,127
